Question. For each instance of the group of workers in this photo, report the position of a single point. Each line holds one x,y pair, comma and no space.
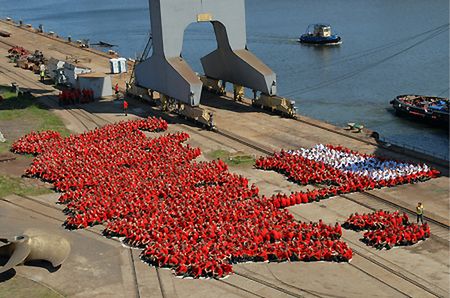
35,142
386,229
195,217
75,95
327,165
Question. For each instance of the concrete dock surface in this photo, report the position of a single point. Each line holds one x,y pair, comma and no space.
102,267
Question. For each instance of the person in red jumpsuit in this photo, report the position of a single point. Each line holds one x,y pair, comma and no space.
125,107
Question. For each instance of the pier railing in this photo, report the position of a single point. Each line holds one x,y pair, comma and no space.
438,155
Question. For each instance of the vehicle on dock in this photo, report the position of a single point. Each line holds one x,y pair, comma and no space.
276,104
320,34
430,109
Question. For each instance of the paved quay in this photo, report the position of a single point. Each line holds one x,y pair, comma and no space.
102,267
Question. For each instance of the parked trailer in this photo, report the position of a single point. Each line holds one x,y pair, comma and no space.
276,104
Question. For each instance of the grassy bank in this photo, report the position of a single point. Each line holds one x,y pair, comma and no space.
15,185
232,159
22,287
20,115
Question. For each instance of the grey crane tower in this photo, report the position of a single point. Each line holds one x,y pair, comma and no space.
167,73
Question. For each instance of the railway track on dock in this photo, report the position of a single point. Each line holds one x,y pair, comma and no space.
82,116
46,215
162,286
249,143
380,200
81,113
439,230
441,164
96,120
387,266
436,162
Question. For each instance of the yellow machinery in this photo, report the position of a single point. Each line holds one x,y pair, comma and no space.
199,115
212,85
168,104
238,92
276,104
140,93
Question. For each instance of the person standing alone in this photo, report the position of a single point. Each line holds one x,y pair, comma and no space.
125,107
42,72
419,212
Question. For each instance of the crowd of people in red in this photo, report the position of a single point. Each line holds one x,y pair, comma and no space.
386,229
75,95
194,217
35,142
333,181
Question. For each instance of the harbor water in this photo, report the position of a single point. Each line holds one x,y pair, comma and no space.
389,48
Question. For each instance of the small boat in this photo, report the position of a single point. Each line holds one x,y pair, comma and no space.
104,44
431,109
320,34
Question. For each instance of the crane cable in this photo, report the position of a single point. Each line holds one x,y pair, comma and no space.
144,55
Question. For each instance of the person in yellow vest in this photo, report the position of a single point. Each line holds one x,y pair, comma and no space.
42,72
419,212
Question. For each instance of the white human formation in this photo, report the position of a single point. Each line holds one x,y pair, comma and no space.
360,164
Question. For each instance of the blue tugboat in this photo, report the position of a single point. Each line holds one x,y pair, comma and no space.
320,34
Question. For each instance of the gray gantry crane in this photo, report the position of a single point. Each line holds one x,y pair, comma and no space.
166,72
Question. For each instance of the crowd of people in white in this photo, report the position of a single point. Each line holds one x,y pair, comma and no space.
360,164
